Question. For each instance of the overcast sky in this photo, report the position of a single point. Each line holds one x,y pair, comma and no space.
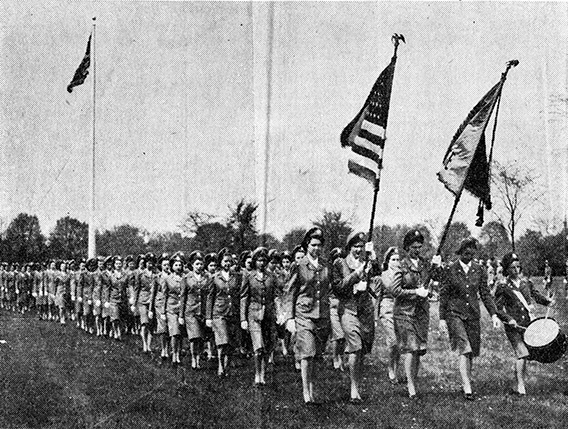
176,80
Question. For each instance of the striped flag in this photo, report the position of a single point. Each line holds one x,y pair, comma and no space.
83,70
366,133
465,164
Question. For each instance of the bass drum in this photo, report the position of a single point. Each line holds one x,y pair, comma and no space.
545,341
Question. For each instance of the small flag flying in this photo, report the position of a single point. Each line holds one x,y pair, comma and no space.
83,70
465,164
365,134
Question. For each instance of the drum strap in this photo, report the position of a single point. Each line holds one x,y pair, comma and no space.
521,298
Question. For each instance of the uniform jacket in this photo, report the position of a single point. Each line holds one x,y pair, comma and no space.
117,286
412,277
308,290
97,285
257,296
344,279
223,299
510,307
145,287
172,293
157,301
194,294
88,285
62,284
460,292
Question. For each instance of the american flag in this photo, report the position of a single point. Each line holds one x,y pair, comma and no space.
365,134
83,70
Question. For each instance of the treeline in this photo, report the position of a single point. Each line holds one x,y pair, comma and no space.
23,240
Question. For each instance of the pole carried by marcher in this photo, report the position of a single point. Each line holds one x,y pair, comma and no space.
465,165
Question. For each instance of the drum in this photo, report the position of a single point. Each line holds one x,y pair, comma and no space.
544,340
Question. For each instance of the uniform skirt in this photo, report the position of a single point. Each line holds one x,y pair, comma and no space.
359,329
114,311
143,310
336,329
226,331
96,309
194,326
173,323
387,321
465,335
517,342
412,331
87,307
61,301
311,336
262,334
78,306
161,325
41,299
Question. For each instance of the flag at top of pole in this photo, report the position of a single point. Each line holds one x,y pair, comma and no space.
83,70
366,133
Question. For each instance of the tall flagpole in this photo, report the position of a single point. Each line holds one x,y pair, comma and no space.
92,247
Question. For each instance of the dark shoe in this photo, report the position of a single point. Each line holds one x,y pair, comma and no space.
414,397
468,396
355,401
516,393
393,381
312,403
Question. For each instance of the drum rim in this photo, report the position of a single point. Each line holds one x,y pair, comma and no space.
559,335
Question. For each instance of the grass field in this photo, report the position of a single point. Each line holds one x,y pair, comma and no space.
59,377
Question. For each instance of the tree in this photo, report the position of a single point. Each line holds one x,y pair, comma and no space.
121,240
24,241
530,249
168,242
293,238
516,190
211,237
495,240
69,239
241,224
193,221
335,229
457,232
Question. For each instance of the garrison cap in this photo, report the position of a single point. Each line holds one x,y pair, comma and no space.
314,232
355,237
412,236
508,259
467,243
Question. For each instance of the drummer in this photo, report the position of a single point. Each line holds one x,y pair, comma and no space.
513,298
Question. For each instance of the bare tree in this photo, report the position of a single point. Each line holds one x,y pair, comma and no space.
517,190
193,220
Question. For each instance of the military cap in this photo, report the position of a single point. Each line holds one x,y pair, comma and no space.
260,252
355,237
335,253
314,232
508,259
467,243
128,259
243,257
210,257
412,236
286,255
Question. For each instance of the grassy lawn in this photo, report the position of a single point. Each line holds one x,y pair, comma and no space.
60,377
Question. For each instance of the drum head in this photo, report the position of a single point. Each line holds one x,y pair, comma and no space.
541,332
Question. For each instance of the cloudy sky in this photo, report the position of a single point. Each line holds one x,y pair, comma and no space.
176,106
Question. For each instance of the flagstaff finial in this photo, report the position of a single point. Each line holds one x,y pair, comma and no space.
512,63
94,18
396,39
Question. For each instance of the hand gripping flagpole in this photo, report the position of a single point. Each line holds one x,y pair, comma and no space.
510,64
396,39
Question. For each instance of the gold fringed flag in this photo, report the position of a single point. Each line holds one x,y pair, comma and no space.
83,70
365,134
465,164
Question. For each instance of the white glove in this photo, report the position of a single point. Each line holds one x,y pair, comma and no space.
163,317
360,287
132,308
181,321
72,298
370,248
209,323
107,304
421,292
150,315
496,322
80,299
17,291
89,302
437,260
34,295
291,325
131,301
244,325
98,302
443,327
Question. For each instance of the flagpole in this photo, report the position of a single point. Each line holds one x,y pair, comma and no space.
92,246
512,63
396,38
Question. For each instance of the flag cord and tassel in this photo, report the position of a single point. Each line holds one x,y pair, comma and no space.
512,63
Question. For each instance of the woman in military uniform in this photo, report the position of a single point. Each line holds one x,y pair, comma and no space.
62,291
390,275
411,308
118,280
462,283
172,305
193,305
157,305
97,295
307,308
356,310
258,314
513,298
145,287
88,288
105,296
222,310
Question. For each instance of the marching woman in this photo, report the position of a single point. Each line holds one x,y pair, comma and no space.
145,287
88,288
211,269
157,303
307,308
245,265
193,305
223,310
513,298
337,338
50,274
40,290
77,285
282,284
105,295
390,275
462,283
130,313
97,295
62,291
411,312
172,306
258,313
118,280
356,308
